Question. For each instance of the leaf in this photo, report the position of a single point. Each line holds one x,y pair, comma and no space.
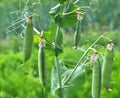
36,39
50,36
66,20
56,9
74,84
52,28
69,17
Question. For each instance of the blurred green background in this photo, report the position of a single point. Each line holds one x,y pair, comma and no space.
23,82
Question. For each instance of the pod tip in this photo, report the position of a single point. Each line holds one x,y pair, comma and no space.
108,89
75,47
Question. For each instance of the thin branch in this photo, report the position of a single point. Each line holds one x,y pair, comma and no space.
80,61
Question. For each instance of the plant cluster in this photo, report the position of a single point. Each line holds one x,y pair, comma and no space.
66,81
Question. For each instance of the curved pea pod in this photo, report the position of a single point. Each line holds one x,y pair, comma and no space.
41,62
77,34
107,66
96,76
28,40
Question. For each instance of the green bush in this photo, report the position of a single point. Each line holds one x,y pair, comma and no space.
22,81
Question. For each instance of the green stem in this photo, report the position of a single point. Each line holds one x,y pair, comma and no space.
85,7
69,12
61,9
58,71
56,57
57,31
79,62
56,37
107,38
57,63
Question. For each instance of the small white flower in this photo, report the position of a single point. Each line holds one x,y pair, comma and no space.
94,57
79,17
110,46
42,43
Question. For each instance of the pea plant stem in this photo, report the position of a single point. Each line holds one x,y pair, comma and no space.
57,62
58,71
56,36
80,61
59,77
69,77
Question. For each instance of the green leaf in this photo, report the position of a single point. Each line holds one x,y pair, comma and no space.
50,35
76,82
52,28
36,39
66,20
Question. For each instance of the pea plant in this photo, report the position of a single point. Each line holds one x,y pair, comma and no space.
65,82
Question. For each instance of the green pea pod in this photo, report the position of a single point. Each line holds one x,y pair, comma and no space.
41,63
96,77
107,66
77,34
28,40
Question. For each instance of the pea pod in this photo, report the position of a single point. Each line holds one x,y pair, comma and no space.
78,28
41,62
77,34
96,76
28,41
107,66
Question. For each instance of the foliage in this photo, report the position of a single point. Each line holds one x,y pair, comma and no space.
105,17
64,79
24,80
